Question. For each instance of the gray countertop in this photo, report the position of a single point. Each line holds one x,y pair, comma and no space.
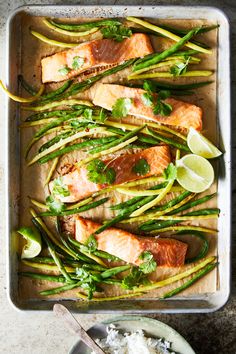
39,333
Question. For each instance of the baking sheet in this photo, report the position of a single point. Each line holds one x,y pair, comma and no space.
204,97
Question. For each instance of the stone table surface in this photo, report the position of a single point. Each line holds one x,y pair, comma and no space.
40,333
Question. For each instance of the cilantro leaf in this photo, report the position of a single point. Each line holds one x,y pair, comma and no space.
179,68
98,172
149,86
121,107
163,94
118,33
91,244
59,188
135,278
147,99
88,113
54,204
162,108
170,172
77,62
64,71
141,167
149,265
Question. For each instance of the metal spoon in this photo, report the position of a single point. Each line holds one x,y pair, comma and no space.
63,312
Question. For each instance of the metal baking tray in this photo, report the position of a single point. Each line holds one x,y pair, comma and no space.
203,303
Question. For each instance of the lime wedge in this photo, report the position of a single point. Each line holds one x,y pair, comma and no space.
194,173
33,245
201,146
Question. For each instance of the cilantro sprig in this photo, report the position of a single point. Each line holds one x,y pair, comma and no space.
149,265
135,278
170,172
118,33
158,104
180,68
121,107
141,167
77,62
99,172
64,71
90,245
59,190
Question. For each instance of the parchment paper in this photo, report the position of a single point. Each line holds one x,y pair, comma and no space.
32,178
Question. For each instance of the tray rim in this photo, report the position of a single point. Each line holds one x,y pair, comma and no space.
223,16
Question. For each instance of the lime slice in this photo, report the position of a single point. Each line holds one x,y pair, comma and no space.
201,146
33,245
194,173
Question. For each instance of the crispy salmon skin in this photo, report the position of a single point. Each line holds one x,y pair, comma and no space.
183,114
79,186
96,53
128,247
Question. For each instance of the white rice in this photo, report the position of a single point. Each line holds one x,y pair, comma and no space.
132,343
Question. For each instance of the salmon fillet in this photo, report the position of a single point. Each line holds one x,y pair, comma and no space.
183,114
128,247
95,53
79,186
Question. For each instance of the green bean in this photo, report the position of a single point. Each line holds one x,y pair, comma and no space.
78,146
172,202
141,137
132,201
55,140
93,267
88,254
168,140
49,114
209,211
117,141
77,210
106,255
47,260
52,251
151,226
189,282
73,252
193,204
157,225
47,277
28,88
60,289
55,123
48,96
185,31
86,84
86,25
125,204
127,211
175,31
205,247
176,87
113,271
55,103
145,63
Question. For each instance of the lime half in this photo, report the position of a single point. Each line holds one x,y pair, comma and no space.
33,245
194,173
201,146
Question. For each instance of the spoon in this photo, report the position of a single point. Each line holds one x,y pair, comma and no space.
65,314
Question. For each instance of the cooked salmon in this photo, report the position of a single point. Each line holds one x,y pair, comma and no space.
128,247
80,186
96,53
183,114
